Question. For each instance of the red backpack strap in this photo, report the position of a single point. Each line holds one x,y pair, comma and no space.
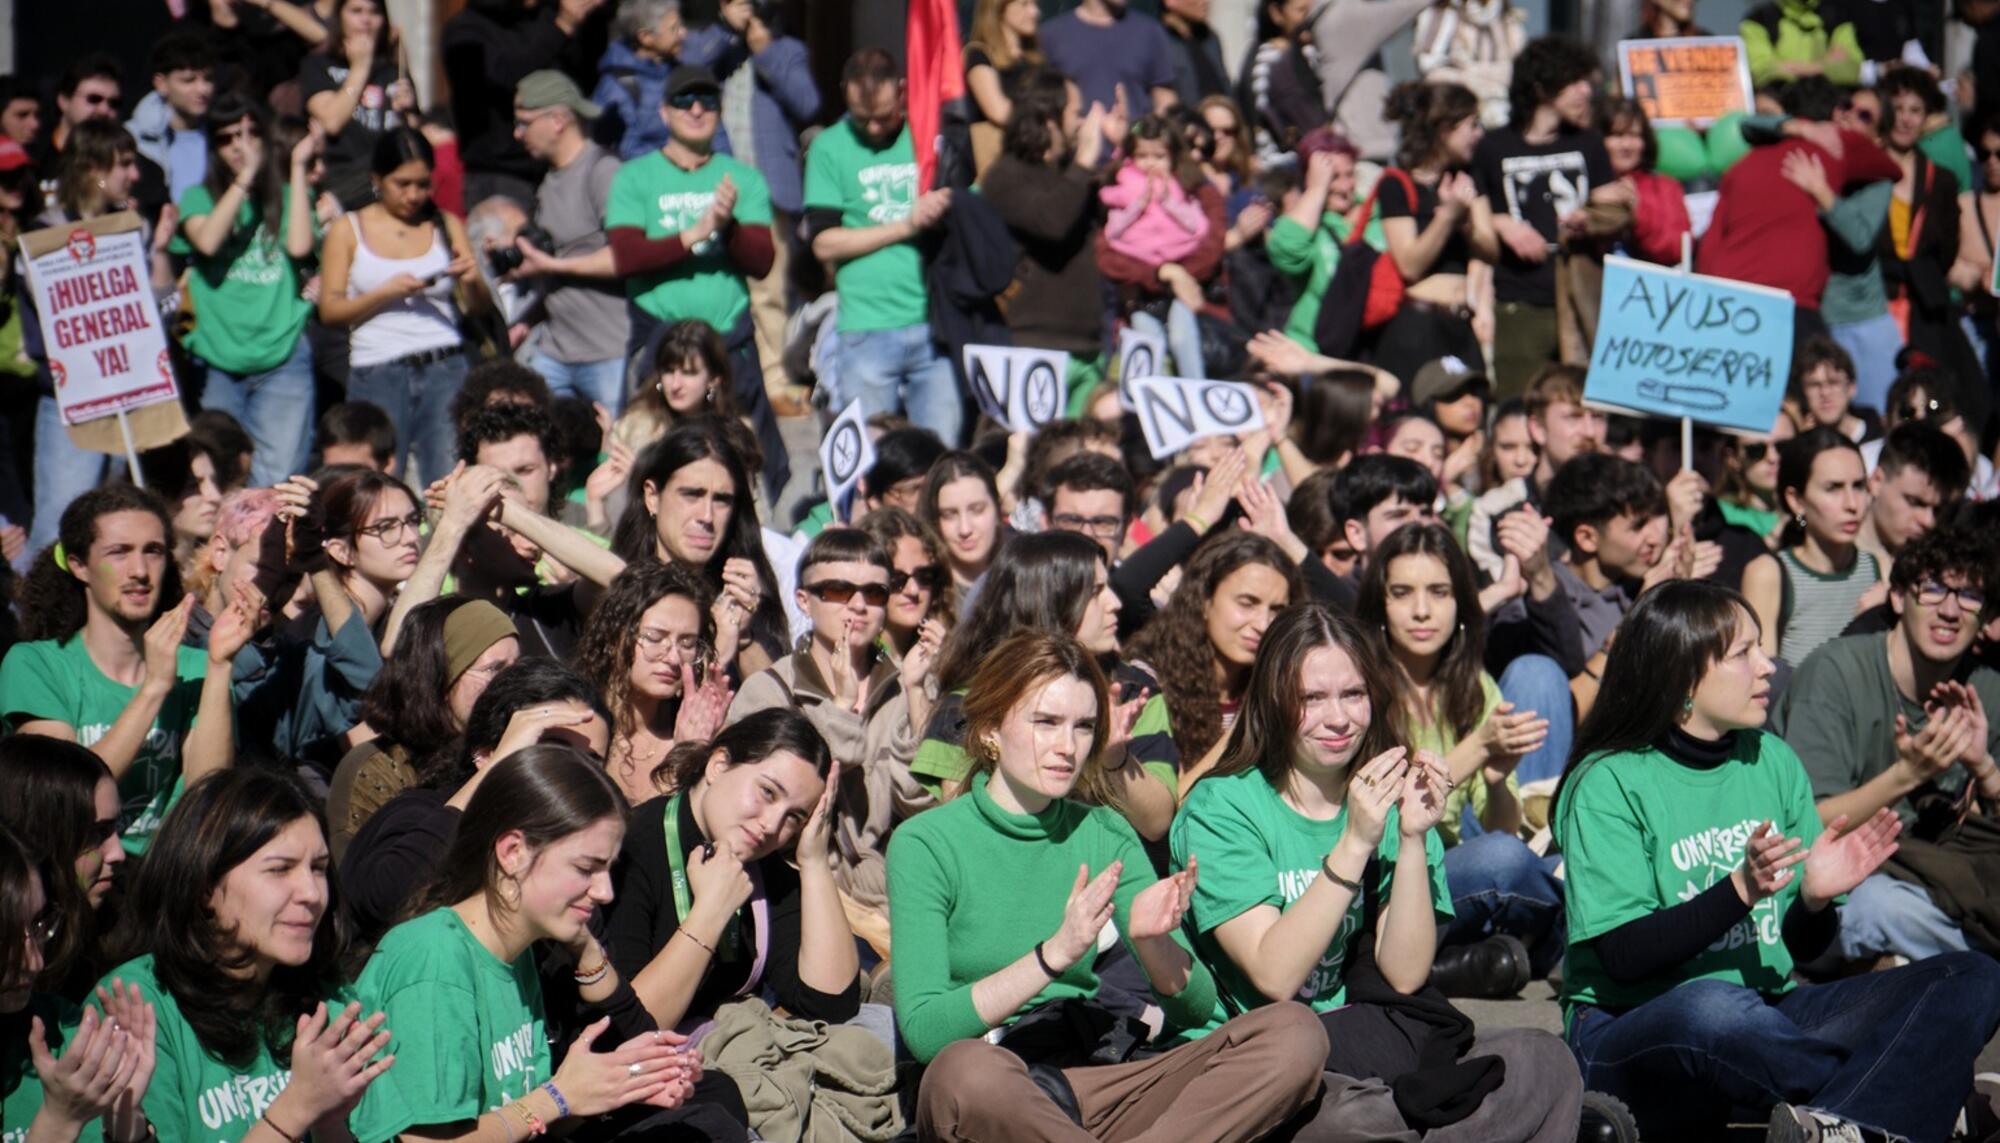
1368,207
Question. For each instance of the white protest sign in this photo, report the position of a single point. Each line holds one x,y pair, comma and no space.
1139,355
845,455
1175,412
1022,389
107,350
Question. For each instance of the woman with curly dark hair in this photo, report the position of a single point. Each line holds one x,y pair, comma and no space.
449,649
1201,644
246,968
103,611
650,652
63,803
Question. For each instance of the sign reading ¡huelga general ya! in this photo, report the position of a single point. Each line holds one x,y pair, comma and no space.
93,295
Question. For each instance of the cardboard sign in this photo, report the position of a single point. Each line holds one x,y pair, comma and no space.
1022,389
1139,355
93,295
1175,412
1690,81
845,455
1687,345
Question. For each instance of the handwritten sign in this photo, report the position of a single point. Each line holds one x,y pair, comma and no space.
1689,81
1175,412
1022,389
1139,355
845,455
1687,345
92,291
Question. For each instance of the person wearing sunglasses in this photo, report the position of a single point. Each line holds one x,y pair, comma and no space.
1747,493
871,707
920,587
1897,717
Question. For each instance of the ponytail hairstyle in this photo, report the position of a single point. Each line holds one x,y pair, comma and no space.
1266,735
51,806
219,823
1427,113
773,730
53,602
545,792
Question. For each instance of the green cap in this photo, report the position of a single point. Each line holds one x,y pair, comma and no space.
551,88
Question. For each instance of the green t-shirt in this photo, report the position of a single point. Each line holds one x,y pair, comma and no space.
195,1097
469,1035
20,1086
1762,521
248,314
885,289
1309,259
1641,833
55,680
654,195
1255,849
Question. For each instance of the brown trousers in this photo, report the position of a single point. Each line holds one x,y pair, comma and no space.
1233,1085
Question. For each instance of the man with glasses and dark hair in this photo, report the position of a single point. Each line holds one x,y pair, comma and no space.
1899,719
1092,494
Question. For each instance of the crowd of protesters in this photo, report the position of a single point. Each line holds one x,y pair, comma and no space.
478,724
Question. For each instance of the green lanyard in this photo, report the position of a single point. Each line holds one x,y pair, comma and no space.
728,947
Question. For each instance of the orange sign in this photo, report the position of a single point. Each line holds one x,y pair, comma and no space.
1692,81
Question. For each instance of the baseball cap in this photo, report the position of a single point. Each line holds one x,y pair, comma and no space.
13,156
691,77
551,88
1443,376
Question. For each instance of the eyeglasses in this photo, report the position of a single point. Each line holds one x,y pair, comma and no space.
689,100
1931,593
1094,525
837,591
930,577
524,121
655,644
391,530
98,100
1861,114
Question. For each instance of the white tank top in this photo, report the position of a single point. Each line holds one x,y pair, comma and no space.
412,325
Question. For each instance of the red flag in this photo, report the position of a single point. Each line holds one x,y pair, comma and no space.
937,76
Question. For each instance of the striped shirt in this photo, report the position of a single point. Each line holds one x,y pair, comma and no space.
1818,606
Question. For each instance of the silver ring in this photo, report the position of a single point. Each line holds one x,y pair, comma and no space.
634,1069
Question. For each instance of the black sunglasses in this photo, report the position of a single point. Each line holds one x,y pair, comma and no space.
1754,451
688,100
837,591
930,577
1986,153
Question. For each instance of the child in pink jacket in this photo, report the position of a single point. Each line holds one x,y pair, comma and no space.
1153,219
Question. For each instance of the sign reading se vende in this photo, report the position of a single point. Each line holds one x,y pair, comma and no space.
1691,81
107,351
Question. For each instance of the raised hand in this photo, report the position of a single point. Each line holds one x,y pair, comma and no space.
334,1059
1264,514
1085,914
1159,908
704,705
526,726
238,621
1508,734
593,1082
1280,354
163,643
816,836
1421,806
1464,458
1373,791
718,881
127,1008
1456,189
1951,695
1319,172
94,1069
310,146
1843,858
473,494
1768,858
1945,738
359,48
1124,716
922,655
1213,491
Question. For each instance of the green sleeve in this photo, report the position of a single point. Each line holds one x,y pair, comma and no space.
931,1011
1153,744
1946,148
753,197
627,205
1857,219
822,190
939,762
1290,247
195,203
1607,866
1194,1005
33,686
1238,871
1847,74
1759,51
440,1063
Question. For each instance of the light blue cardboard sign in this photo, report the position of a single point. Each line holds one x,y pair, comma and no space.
1713,350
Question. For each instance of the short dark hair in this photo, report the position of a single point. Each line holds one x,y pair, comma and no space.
840,545
1811,97
1929,450
1596,488
497,423
1902,79
490,377
1940,552
901,454
1311,513
1034,125
1092,472
183,49
1816,351
1615,109
96,65
1546,66
869,69
359,422
1376,478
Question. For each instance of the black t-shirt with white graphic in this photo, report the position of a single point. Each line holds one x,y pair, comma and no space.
1537,184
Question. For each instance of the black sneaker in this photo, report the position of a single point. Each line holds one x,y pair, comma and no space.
1791,1124
1491,969
1605,1120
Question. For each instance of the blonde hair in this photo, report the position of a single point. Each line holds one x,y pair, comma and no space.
989,34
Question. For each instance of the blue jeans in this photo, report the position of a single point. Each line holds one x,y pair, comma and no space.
1884,915
275,408
63,472
1537,683
899,371
1892,1050
418,401
1183,337
1873,344
599,381
1499,885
